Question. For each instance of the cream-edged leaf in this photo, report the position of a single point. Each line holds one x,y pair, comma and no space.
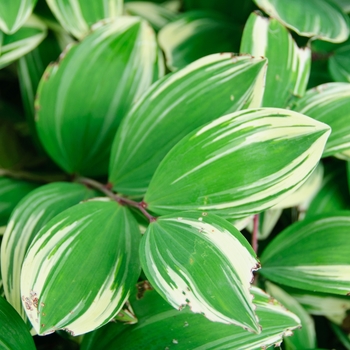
181,253
238,165
215,85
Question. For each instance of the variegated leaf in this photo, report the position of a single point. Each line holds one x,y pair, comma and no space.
59,284
215,85
181,253
16,45
330,104
289,66
29,216
339,62
184,330
238,165
196,34
13,14
321,19
82,99
77,16
326,266
305,337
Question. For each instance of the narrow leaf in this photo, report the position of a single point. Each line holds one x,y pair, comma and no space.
330,104
238,165
82,99
233,83
181,253
289,66
321,19
326,266
77,16
59,284
29,216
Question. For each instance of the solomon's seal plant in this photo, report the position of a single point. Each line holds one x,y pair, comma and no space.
174,175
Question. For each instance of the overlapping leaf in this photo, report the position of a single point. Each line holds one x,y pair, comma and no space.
239,164
196,34
326,266
13,332
289,66
181,253
321,19
14,13
29,216
330,104
77,16
185,330
16,45
339,63
83,98
59,284
215,85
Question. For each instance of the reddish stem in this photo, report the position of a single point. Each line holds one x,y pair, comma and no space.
255,233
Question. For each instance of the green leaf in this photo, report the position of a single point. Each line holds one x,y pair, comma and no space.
343,336
77,16
28,37
339,63
29,216
181,253
59,284
343,4
82,99
14,334
162,327
319,19
196,34
238,165
157,15
234,83
311,255
11,192
289,66
304,338
14,13
330,104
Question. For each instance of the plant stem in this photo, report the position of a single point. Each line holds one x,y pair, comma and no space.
24,175
121,200
255,233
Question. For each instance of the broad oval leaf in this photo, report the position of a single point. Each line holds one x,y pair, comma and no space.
77,16
215,85
28,37
289,66
319,19
185,330
14,13
11,192
330,104
195,34
14,334
29,216
238,165
311,255
82,99
59,285
181,253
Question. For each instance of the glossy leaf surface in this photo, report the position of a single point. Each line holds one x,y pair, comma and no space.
326,266
83,98
185,330
14,334
289,66
330,104
238,165
14,13
196,34
16,45
59,285
234,83
29,216
77,16
321,19
181,253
